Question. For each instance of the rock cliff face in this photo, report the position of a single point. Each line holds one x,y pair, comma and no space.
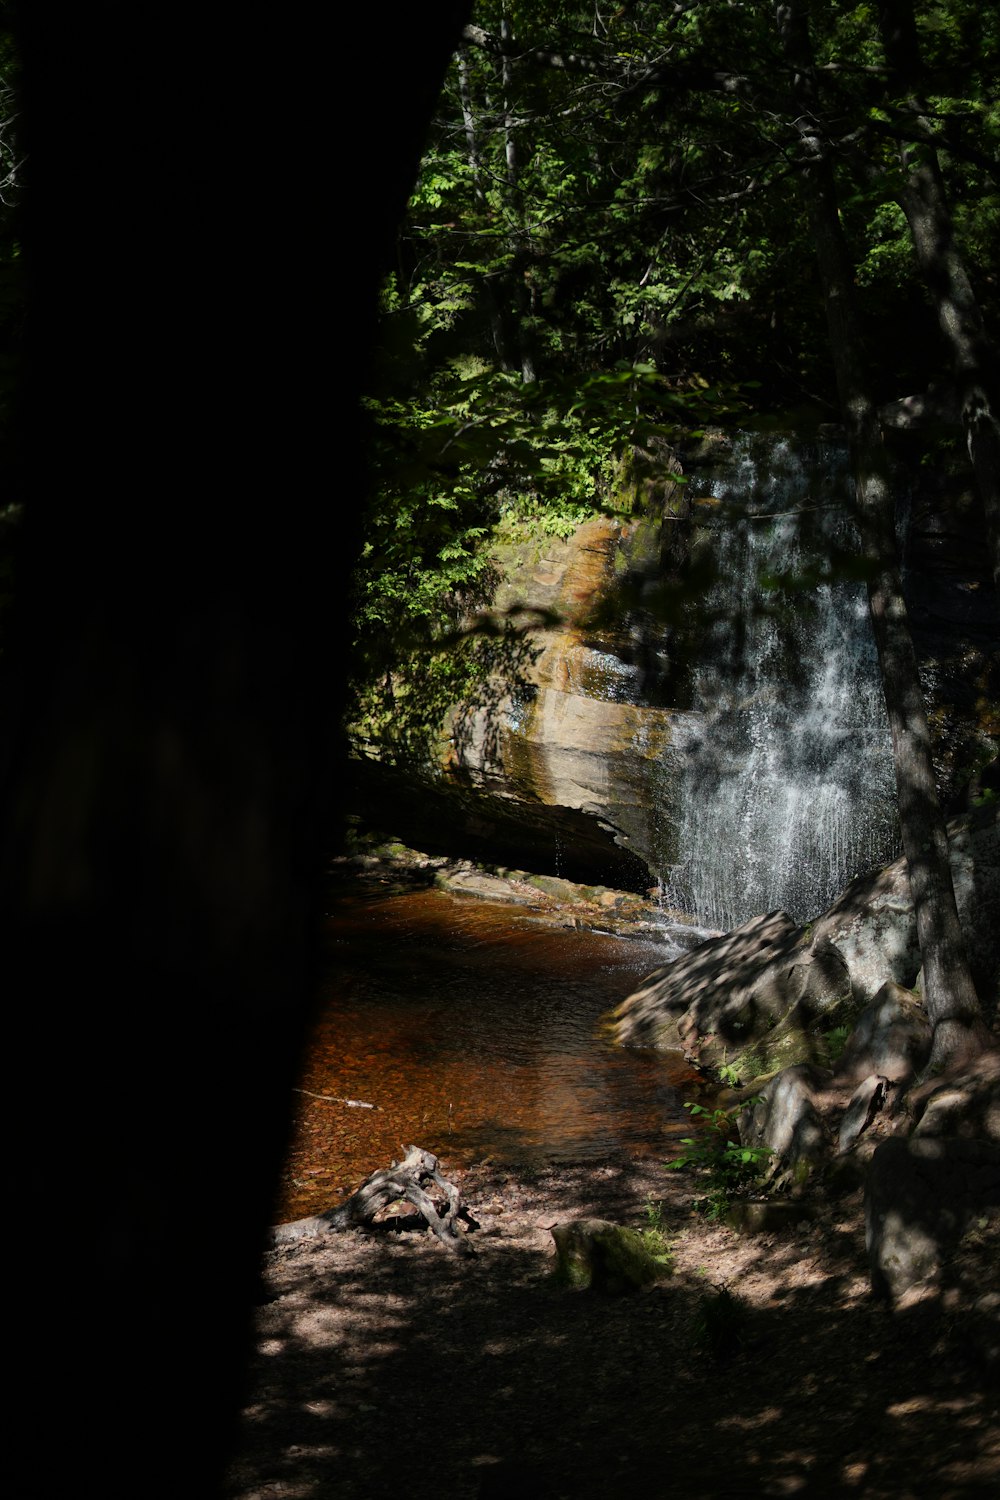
563,771
582,732
575,767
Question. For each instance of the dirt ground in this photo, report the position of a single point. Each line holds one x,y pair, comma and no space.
386,1366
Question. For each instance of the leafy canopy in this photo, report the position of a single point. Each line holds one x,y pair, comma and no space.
605,243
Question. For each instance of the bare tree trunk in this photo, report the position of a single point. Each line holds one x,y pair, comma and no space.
924,202
949,992
519,233
475,165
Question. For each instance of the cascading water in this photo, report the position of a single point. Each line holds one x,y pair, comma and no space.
785,785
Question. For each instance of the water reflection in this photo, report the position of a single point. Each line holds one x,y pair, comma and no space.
476,1031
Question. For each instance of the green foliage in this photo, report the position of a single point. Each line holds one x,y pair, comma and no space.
612,249
836,1041
888,258
654,1214
728,1169
657,1248
654,1236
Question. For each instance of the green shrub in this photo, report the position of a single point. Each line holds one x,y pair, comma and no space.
836,1041
654,1237
729,1169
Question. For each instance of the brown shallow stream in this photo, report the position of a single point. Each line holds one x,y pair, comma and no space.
477,1031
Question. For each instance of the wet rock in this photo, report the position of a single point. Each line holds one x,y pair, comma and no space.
920,1196
561,890
725,991
469,882
892,1036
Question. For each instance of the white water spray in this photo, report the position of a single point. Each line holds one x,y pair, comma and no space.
786,786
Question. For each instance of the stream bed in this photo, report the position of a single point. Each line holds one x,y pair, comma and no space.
476,1030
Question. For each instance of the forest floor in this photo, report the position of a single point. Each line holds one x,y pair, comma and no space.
385,1365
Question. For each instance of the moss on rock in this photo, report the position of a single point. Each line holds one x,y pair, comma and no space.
596,1255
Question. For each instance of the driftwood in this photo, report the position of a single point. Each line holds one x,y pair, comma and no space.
336,1099
405,1179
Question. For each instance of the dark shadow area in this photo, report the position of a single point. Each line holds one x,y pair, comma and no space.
463,817
986,891
172,678
384,1367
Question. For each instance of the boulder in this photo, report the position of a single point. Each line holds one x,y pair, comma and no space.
864,1104
892,1036
784,1117
760,998
748,999
873,926
728,988
920,1196
968,1107
600,1256
795,1039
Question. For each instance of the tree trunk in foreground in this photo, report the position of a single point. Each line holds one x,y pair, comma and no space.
202,296
949,992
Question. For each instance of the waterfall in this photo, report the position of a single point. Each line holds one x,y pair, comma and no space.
782,769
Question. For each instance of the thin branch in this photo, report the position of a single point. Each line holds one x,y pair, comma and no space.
940,142
332,1099
488,41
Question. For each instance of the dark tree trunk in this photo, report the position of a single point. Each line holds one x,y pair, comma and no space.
193,476
923,200
519,239
949,992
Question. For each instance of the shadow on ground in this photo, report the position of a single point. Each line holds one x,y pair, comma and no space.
385,1366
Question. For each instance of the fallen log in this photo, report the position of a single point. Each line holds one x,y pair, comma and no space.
404,1179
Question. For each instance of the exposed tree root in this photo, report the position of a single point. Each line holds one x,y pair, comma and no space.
405,1179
